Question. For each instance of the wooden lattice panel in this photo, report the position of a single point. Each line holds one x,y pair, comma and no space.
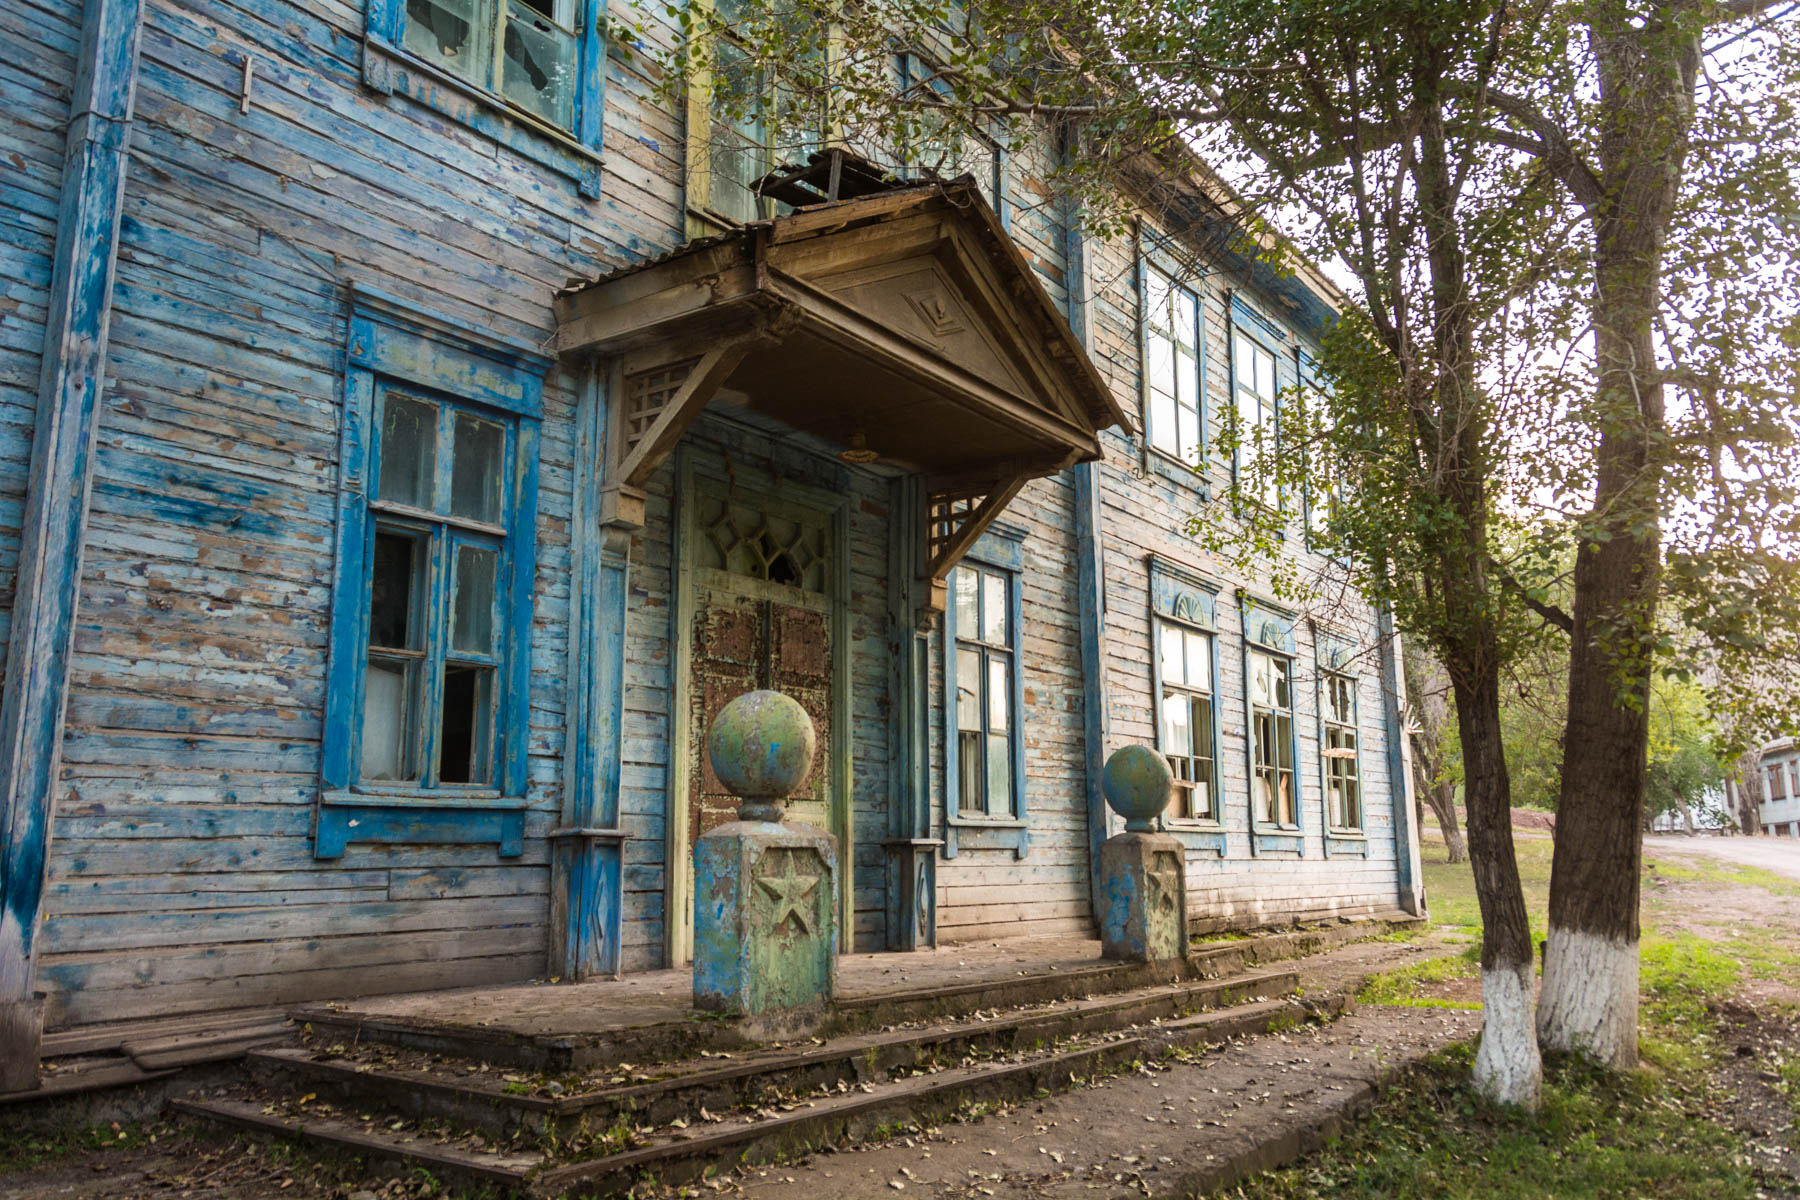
946,513
647,393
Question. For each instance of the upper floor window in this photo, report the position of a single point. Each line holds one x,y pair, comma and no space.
1187,729
1794,775
1343,782
1254,368
984,669
1272,739
1776,790
746,120
945,145
1172,366
527,51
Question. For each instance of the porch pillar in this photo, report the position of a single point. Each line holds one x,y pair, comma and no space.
49,575
587,864
911,850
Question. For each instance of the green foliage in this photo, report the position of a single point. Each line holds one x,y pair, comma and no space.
1598,1135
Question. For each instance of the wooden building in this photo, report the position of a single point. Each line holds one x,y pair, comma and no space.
408,439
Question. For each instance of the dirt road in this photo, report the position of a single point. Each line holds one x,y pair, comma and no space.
1781,855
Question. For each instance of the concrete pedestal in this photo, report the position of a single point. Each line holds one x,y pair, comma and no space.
1143,898
765,923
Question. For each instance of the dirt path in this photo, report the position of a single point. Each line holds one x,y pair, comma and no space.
1781,855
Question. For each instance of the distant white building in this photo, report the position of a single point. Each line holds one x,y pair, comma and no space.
1776,779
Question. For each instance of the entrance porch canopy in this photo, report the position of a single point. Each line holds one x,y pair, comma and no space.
902,326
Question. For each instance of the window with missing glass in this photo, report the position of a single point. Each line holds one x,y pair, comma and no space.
1253,368
746,119
980,615
1272,783
1172,367
949,145
1187,726
528,52
1341,750
436,593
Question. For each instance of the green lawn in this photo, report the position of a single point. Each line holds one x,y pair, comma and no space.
1658,1131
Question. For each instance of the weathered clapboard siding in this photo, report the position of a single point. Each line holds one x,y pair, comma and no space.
182,871
39,40
1142,514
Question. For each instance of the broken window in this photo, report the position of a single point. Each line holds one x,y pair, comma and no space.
754,118
1272,737
980,613
524,50
1186,729
436,559
1343,782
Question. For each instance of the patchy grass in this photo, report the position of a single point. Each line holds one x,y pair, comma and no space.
1450,887
1403,987
1599,1135
20,1150
1713,871
1659,1131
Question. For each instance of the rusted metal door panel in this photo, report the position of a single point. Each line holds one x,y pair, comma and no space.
730,650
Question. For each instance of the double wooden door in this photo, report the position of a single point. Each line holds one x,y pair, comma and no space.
760,593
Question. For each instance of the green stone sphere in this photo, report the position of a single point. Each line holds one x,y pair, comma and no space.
1137,781
762,746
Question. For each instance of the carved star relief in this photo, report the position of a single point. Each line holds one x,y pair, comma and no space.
788,892
1165,884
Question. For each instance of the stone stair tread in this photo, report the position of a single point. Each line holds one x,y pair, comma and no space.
737,1130
723,1068
500,1168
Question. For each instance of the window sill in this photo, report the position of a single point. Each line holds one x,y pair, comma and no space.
419,798
1198,835
418,818
1173,469
968,822
1351,842
389,69
1277,839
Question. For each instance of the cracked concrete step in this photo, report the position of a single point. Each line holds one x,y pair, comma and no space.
669,1040
686,1155
682,1154
423,1089
456,1164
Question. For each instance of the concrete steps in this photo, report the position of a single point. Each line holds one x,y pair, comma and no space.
594,1112
586,1159
419,1086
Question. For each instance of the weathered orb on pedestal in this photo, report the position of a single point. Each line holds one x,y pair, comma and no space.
1137,781
762,747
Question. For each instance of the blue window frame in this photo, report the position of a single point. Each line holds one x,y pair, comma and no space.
1174,409
1340,749
540,60
1277,809
1184,663
427,695
1274,786
1187,725
984,693
946,145
984,673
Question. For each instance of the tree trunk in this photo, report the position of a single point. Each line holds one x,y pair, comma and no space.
1590,993
1507,1066
1508,1069
1427,694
